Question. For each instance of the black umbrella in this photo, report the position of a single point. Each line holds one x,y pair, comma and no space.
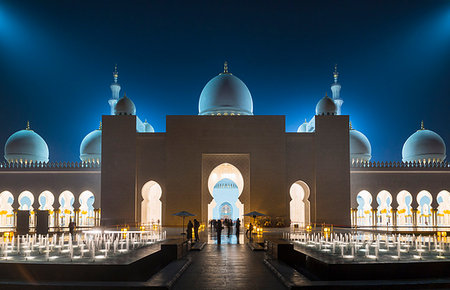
254,214
183,214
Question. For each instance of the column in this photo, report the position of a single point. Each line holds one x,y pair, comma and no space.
77,217
394,217
414,217
374,217
355,217
433,217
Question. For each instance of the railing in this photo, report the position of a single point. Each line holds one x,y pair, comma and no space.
394,164
19,165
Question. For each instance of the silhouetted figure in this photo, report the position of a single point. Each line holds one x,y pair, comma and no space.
238,227
71,228
249,232
196,226
229,226
219,231
189,230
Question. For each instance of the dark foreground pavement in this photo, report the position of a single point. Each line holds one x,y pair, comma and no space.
227,266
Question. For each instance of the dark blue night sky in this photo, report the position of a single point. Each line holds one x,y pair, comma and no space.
57,57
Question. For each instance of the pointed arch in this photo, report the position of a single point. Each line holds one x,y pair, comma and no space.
228,174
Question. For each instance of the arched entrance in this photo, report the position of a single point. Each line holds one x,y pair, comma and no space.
225,184
6,209
364,200
404,214
46,200
66,200
299,204
151,205
384,200
86,200
26,201
443,215
424,200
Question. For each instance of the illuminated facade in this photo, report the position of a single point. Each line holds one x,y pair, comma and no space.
226,162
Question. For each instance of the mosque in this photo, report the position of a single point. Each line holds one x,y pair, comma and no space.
223,163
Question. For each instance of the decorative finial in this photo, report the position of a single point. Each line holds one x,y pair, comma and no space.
306,121
115,74
100,127
125,94
335,73
326,94
350,125
145,122
421,126
28,126
225,67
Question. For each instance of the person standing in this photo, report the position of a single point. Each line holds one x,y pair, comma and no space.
196,226
219,231
189,230
238,227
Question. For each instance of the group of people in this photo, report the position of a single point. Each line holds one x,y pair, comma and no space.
217,226
193,226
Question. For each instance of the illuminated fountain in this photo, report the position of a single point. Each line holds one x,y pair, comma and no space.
100,245
365,247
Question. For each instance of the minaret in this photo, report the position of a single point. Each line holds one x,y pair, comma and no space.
115,89
336,90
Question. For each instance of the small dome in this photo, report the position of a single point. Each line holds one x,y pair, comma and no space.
303,128
125,106
424,146
225,94
91,147
148,128
26,146
360,149
326,106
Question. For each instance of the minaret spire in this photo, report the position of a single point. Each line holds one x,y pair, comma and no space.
336,90
115,90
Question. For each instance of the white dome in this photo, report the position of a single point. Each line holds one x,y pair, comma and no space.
424,146
26,146
125,106
326,106
91,147
148,128
360,149
225,94
303,127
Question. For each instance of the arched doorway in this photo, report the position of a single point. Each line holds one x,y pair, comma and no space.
384,200
225,184
151,205
299,204
443,199
364,200
6,209
26,200
424,200
46,200
86,200
404,214
66,200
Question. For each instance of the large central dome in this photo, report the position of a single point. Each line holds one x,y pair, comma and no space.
225,94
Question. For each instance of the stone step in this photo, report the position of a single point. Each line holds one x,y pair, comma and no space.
255,246
169,274
198,246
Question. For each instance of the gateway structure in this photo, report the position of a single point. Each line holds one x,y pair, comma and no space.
225,162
